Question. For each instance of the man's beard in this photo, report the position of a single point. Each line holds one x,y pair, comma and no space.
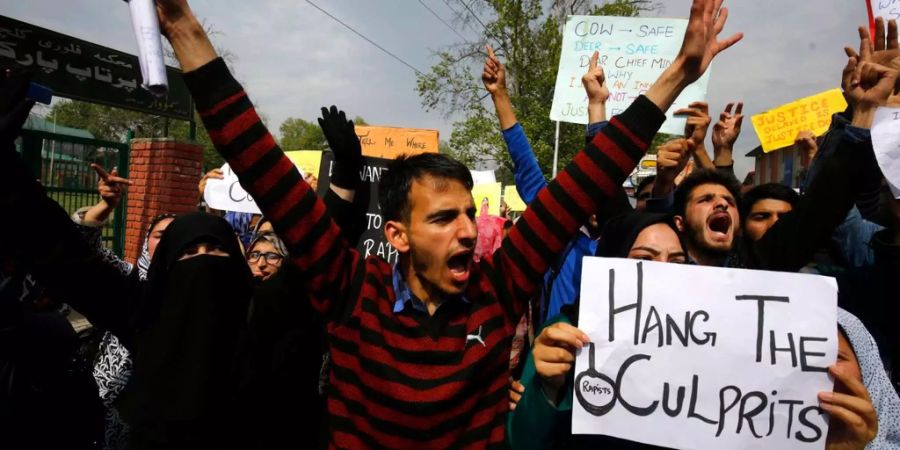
696,243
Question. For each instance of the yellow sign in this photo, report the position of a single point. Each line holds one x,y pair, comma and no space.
512,199
391,142
487,195
307,161
778,128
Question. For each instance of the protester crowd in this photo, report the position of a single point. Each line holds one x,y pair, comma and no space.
273,331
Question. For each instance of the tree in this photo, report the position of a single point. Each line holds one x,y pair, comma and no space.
298,134
528,40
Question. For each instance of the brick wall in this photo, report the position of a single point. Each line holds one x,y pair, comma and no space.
165,173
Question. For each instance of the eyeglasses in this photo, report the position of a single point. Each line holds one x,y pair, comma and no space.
271,258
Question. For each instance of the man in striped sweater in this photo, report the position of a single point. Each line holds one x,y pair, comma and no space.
420,351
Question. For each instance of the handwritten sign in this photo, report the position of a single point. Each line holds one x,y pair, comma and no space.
512,199
391,142
227,194
733,362
483,176
372,240
81,70
886,143
487,198
889,9
779,127
634,51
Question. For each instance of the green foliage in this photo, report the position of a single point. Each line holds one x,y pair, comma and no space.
527,40
298,134
113,124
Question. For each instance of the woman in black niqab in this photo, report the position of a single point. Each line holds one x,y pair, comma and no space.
189,319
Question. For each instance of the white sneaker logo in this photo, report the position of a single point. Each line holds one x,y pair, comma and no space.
475,337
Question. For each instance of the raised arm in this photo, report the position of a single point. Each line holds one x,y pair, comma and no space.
528,175
596,172
45,240
297,214
695,129
340,133
790,243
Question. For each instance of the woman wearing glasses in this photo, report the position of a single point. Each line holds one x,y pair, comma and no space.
265,255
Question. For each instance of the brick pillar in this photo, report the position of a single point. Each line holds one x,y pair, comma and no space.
165,173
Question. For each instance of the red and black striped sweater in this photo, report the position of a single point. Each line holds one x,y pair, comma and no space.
394,381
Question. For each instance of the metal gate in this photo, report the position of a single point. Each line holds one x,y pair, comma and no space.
63,162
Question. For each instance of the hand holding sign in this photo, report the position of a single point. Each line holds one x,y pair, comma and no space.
188,38
854,421
735,362
554,354
172,13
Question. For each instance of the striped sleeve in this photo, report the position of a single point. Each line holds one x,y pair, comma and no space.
565,204
297,214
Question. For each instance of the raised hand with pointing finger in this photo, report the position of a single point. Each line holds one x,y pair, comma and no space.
494,78
111,188
594,82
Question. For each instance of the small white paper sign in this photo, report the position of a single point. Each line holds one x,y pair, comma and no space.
483,176
150,51
228,195
634,51
889,9
704,358
886,143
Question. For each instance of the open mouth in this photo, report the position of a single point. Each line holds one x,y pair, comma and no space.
459,265
719,224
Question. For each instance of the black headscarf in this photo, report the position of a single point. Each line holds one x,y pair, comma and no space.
621,232
617,239
189,321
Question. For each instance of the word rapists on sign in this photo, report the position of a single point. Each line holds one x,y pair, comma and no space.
733,362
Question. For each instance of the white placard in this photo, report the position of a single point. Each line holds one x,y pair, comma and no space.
483,176
150,52
228,195
687,359
889,9
886,143
634,51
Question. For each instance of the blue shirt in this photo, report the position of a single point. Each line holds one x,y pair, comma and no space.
406,299
565,285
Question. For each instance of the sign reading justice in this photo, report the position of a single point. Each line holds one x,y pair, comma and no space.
735,361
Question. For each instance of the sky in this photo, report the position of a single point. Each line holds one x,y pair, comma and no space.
293,59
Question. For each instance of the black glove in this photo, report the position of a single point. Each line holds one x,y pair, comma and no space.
341,136
14,106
